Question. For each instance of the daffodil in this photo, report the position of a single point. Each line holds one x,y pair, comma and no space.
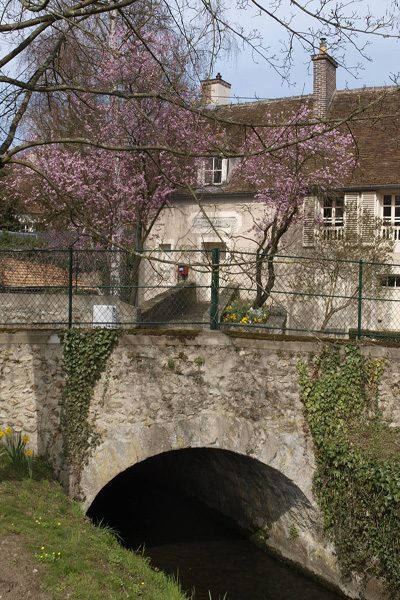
25,439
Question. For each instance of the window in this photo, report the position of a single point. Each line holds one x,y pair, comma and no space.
391,209
333,212
215,170
392,281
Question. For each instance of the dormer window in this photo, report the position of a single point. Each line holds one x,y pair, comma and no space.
215,170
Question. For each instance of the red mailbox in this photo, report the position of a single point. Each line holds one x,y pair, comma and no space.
183,271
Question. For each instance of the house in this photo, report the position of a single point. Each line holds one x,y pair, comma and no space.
367,203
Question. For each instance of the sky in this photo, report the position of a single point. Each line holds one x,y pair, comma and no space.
252,78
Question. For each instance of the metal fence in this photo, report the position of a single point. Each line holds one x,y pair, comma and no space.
302,295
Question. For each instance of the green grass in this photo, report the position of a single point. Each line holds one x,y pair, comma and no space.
78,561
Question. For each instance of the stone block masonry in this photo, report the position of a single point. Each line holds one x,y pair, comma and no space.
167,391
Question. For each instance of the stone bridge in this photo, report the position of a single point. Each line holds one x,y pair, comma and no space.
223,410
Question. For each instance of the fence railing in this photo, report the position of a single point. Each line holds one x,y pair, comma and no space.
229,290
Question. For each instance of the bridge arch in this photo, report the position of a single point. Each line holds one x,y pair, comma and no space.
260,476
128,444
252,495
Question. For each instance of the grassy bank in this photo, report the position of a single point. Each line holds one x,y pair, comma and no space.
73,559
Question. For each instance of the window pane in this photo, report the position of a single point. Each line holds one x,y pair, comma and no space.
397,200
387,200
328,202
209,164
217,176
387,211
340,202
217,163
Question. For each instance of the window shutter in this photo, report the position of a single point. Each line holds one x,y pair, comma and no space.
368,202
201,173
351,216
309,221
224,174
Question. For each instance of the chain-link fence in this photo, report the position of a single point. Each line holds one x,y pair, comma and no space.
199,288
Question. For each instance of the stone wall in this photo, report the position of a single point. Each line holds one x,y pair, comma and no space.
31,383
44,310
196,390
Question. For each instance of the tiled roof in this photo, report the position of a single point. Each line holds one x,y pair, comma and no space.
376,133
20,274
375,127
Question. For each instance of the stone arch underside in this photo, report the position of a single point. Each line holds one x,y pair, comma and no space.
128,444
270,494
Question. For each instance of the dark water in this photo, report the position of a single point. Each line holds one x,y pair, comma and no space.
186,539
236,568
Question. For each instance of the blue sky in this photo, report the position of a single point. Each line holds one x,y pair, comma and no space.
250,78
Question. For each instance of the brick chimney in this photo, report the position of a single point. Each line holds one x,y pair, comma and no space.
324,80
216,91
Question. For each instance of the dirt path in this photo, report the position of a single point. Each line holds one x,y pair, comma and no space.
19,578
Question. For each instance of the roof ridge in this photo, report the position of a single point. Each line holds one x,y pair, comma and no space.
369,88
257,102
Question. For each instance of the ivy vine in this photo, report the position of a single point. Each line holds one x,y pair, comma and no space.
85,354
357,481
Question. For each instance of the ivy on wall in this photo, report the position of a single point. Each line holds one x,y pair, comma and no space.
85,354
357,482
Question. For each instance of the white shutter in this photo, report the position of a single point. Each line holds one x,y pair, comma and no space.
351,217
309,221
201,173
224,174
368,203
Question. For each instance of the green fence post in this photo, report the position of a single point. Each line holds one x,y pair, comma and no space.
214,310
360,293
70,284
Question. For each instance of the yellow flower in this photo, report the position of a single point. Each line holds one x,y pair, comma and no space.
2,433
28,452
25,439
8,431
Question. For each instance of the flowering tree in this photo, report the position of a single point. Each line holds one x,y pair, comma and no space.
285,163
123,156
115,171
